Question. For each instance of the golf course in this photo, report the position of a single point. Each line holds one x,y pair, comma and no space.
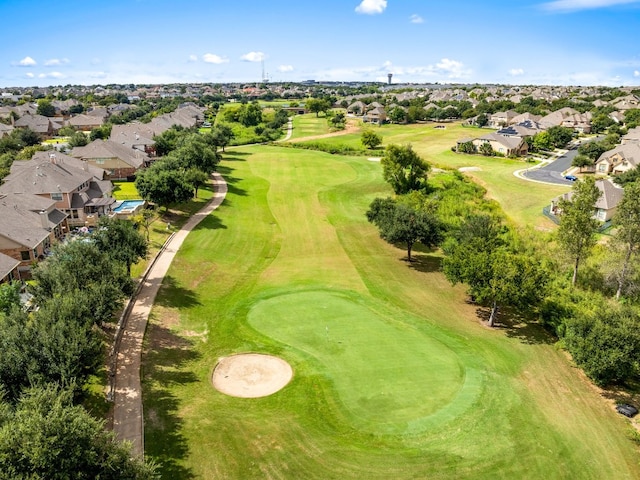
394,374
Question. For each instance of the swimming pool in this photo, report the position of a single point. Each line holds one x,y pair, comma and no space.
128,206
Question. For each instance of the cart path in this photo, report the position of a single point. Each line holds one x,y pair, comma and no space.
127,411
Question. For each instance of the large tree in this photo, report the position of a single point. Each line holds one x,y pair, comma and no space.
577,232
9,296
494,273
403,169
400,223
317,105
627,233
371,139
163,186
120,240
195,152
46,437
45,108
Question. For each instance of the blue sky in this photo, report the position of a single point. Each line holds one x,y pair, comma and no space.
563,42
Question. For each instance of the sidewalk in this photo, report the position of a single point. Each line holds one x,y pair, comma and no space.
127,411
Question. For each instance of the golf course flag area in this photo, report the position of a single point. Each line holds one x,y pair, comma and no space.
391,375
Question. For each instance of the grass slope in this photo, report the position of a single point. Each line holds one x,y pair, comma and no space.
394,377
309,124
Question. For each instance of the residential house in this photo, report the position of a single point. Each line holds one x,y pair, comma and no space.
75,191
9,269
568,117
85,122
45,126
120,161
377,115
526,117
505,145
30,225
606,205
632,136
135,135
5,130
61,159
618,160
357,108
502,119
523,130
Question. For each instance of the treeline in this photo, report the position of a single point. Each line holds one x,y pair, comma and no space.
49,355
591,306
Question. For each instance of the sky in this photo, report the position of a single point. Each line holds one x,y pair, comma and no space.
517,42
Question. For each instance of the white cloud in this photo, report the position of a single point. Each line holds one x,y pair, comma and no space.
451,68
51,75
30,75
636,73
516,72
56,62
416,19
371,7
574,5
285,68
253,57
211,58
193,58
27,62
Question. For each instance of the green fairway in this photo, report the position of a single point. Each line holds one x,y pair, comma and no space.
309,124
394,376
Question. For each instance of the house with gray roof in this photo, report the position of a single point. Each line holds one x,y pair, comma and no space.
632,136
85,122
74,191
119,160
45,126
606,205
30,225
9,269
619,159
135,135
5,130
506,145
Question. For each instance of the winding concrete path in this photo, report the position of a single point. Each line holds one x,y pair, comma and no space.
127,412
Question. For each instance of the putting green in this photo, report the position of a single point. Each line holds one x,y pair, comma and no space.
390,377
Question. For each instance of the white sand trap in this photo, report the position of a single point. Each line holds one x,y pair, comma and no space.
374,159
251,375
470,169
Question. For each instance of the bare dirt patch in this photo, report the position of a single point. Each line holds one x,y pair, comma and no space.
251,375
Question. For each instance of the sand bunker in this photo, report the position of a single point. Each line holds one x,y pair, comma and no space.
251,375
470,169
374,159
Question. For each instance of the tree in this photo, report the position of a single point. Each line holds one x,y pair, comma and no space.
560,136
627,232
195,152
577,229
9,296
46,436
542,142
581,161
495,275
486,149
45,108
467,147
482,120
196,178
163,186
399,223
403,169
398,115
221,135
593,150
337,121
145,218
250,115
119,239
78,139
370,139
317,105
82,268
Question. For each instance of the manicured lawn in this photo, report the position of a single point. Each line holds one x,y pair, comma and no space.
125,191
308,124
394,377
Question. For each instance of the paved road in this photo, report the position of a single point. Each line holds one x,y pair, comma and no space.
127,410
552,173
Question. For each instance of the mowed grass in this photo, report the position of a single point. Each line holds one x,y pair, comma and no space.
309,124
394,375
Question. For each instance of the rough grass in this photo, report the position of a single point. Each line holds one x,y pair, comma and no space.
418,388
125,191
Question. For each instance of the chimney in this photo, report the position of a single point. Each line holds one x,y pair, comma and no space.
85,165
44,220
52,158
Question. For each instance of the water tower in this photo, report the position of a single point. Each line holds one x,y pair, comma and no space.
389,75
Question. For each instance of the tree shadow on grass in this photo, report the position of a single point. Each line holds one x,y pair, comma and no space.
425,263
234,155
164,366
176,296
210,222
232,182
517,326
629,392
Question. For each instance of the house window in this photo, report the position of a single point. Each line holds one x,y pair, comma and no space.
25,255
100,161
57,196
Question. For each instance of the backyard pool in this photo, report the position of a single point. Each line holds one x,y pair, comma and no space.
128,206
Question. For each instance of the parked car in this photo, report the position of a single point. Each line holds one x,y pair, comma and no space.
571,178
627,410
